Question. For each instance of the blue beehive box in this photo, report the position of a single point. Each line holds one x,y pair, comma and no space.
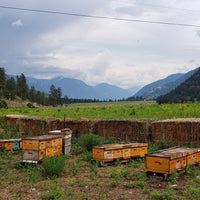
16,144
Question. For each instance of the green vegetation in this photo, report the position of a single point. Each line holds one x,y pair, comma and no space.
113,111
54,166
188,91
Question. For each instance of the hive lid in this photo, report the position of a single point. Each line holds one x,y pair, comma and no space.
110,146
174,152
43,137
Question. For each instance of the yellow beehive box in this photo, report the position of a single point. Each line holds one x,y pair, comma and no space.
36,148
169,160
6,145
138,149
107,152
41,142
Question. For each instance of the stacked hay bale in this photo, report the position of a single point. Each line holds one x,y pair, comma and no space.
176,131
133,129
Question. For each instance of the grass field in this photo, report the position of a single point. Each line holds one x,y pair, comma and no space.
113,110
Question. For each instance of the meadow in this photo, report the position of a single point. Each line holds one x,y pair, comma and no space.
112,110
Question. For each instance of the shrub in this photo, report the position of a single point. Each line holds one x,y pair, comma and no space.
52,167
87,141
3,104
30,105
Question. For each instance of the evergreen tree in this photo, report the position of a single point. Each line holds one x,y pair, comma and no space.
53,95
39,97
22,87
32,94
10,90
2,81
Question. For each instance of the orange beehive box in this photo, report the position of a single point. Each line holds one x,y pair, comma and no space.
35,148
6,145
41,142
107,152
198,155
169,160
110,152
139,149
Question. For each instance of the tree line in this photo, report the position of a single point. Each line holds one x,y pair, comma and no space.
12,89
17,88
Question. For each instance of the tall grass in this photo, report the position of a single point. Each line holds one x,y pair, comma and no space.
113,111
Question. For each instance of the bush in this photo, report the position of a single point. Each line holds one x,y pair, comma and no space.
52,167
3,104
87,141
30,105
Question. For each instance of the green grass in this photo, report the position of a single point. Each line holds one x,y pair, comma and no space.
113,110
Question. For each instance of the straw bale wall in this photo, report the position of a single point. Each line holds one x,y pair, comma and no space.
136,130
175,131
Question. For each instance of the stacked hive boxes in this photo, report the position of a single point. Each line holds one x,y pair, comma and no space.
111,152
36,148
10,144
66,139
170,160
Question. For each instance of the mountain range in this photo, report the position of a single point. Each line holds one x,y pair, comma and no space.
74,88
164,86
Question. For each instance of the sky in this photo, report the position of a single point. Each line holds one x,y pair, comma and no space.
124,53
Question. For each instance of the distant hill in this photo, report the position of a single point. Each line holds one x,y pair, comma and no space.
163,86
74,88
189,90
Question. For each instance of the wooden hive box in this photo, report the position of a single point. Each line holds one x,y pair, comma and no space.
16,144
169,160
138,149
107,152
66,148
35,148
6,145
198,155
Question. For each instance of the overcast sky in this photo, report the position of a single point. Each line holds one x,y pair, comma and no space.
121,53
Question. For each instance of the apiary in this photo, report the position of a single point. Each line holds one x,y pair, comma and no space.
36,148
111,152
170,160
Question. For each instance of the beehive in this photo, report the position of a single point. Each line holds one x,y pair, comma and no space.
67,144
170,160
6,145
66,139
35,148
110,152
138,149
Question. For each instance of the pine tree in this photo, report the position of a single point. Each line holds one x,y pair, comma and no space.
2,81
10,90
22,87
32,94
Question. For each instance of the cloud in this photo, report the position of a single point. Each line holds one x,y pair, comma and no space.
122,53
17,23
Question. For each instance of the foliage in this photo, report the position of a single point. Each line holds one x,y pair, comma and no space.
3,104
52,167
2,81
188,91
30,105
87,141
